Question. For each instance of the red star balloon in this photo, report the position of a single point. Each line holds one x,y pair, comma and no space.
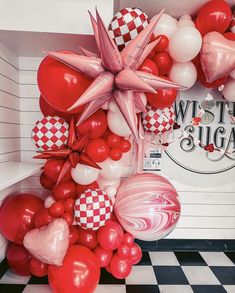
73,154
115,74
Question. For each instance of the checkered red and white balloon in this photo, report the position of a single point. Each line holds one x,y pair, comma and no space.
158,121
126,25
50,133
92,209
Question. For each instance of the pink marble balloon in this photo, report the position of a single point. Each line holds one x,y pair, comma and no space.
147,206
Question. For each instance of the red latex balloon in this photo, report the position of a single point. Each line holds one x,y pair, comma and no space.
124,250
42,218
46,182
73,235
114,140
115,154
38,268
230,36
95,125
17,216
214,16
163,61
57,209
82,188
128,238
162,44
98,150
69,205
110,236
135,253
68,218
18,259
162,99
120,267
48,110
79,273
104,256
52,168
61,85
64,190
88,238
149,66
125,146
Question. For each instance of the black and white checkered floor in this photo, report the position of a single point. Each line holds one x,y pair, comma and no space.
166,272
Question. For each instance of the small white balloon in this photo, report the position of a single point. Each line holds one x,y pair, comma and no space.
110,190
104,182
84,175
185,44
105,106
167,26
49,200
111,169
184,74
185,20
117,124
113,106
229,90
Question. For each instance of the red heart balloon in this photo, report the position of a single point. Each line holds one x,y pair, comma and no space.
79,273
61,85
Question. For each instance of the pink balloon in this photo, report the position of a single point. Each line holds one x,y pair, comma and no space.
217,56
49,244
147,206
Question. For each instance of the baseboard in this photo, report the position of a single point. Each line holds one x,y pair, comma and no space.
187,244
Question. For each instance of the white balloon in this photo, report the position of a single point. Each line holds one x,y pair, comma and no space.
49,200
117,124
113,107
103,183
111,169
229,90
110,190
84,175
184,74
232,74
167,26
185,20
105,106
185,44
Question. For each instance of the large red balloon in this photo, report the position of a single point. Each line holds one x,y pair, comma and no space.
95,125
52,169
61,85
79,273
88,238
162,99
18,259
17,216
46,182
64,190
38,268
214,16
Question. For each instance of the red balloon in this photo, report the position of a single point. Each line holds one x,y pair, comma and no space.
61,85
214,16
98,150
42,218
128,238
57,209
46,182
95,125
88,238
79,273
18,259
73,235
52,169
162,99
115,154
38,268
163,61
104,256
135,253
125,146
68,218
110,236
120,267
64,190
230,36
162,44
82,188
48,110
114,140
17,216
69,205
149,66
124,250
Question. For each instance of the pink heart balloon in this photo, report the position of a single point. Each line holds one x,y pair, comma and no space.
50,243
217,56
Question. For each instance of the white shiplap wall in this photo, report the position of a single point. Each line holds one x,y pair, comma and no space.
207,213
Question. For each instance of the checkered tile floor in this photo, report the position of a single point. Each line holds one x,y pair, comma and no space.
165,272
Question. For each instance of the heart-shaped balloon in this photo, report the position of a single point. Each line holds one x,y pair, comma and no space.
50,243
217,56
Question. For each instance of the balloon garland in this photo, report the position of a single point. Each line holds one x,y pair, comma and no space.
98,110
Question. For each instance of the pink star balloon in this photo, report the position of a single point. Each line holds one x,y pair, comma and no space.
115,73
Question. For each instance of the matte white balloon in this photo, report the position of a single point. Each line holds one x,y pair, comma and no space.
111,169
113,106
49,200
185,20
229,90
167,26
185,44
184,74
84,175
117,124
103,183
111,190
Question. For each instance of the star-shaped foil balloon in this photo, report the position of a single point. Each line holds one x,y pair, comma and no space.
73,154
116,75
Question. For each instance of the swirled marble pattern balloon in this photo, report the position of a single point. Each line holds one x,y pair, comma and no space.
147,206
